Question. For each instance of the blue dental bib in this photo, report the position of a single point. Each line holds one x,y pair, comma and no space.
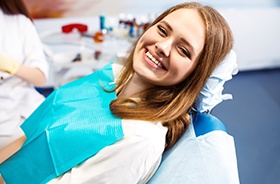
70,126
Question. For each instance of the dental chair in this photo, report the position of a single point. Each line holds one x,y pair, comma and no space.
205,154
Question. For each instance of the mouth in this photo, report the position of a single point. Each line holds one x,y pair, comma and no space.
154,60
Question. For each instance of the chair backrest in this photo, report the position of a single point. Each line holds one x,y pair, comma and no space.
205,123
185,160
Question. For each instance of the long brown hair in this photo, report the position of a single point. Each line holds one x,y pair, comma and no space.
172,105
14,7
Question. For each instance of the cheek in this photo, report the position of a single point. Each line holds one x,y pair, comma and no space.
139,45
183,69
148,37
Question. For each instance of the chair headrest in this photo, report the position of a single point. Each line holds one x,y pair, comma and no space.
211,94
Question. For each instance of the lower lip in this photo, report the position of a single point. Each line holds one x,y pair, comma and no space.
149,62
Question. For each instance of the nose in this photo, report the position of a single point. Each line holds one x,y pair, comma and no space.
163,47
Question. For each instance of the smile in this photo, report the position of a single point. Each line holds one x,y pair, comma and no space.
154,60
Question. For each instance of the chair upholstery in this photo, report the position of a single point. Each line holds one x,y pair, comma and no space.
204,154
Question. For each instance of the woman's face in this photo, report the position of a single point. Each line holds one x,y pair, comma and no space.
167,52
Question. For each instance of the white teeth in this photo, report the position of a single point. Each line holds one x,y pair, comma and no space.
153,59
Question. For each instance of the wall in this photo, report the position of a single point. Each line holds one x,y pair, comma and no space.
257,36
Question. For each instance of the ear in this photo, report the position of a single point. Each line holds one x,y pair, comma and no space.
211,94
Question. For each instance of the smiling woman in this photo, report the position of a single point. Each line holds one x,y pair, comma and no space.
126,116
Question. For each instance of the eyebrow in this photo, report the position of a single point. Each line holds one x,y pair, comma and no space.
182,39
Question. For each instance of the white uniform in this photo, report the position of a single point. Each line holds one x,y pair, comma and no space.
19,40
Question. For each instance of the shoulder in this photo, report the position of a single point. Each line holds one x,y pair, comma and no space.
18,19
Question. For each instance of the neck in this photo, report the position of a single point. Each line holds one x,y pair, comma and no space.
133,87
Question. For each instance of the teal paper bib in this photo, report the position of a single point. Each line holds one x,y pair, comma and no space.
71,125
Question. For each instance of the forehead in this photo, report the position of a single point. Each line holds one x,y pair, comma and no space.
185,16
189,25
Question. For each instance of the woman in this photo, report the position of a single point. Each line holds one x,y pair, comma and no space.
22,66
150,106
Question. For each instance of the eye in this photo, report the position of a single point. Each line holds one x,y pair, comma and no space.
185,52
162,31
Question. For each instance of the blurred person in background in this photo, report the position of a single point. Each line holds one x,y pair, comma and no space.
23,65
